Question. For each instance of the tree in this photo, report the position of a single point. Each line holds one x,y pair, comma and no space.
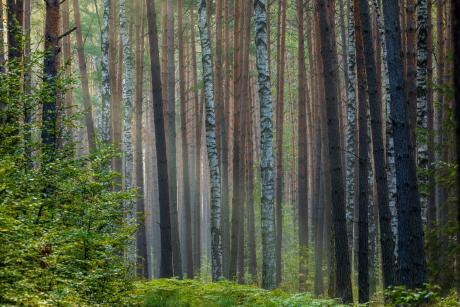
171,140
89,123
363,197
266,163
105,73
410,244
456,39
279,182
375,107
141,240
330,79
160,144
302,190
188,260
216,240
50,73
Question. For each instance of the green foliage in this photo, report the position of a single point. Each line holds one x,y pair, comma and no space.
171,292
428,296
62,229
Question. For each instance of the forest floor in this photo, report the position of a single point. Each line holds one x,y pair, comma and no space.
173,292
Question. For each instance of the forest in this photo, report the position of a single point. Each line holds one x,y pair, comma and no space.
229,152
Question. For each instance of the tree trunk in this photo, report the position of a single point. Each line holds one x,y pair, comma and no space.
302,196
363,196
49,132
160,144
105,74
141,246
456,39
410,244
226,147
89,122
375,106
213,159
188,261
351,165
198,133
279,138
329,58
171,145
266,163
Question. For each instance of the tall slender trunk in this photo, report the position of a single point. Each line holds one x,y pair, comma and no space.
171,145
2,49
198,133
363,196
251,230
329,59
160,144
89,122
213,159
237,188
279,182
302,196
266,163
456,39
225,146
105,73
188,261
410,244
351,165
141,240
411,63
49,132
375,106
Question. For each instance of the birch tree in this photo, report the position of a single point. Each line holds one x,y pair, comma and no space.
267,161
127,99
216,240
105,76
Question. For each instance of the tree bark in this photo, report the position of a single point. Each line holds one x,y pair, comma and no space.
49,132
363,196
160,144
213,159
266,163
375,106
105,74
188,261
302,189
410,244
279,182
330,65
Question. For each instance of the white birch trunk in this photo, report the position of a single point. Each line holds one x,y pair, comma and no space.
105,109
422,107
266,161
213,159
351,119
127,98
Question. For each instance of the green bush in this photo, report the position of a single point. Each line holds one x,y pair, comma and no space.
62,225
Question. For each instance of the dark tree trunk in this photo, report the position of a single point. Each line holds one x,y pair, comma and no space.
456,40
363,162
50,74
330,66
411,243
166,269
375,106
